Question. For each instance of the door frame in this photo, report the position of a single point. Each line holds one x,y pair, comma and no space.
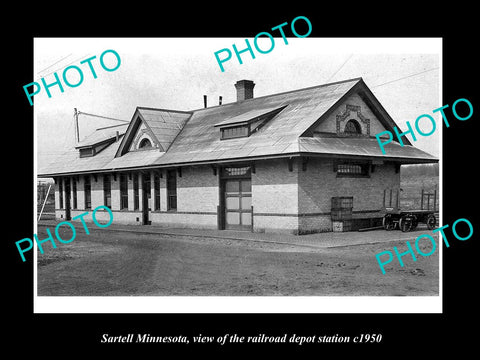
222,211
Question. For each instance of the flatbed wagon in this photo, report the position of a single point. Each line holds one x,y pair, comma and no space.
408,220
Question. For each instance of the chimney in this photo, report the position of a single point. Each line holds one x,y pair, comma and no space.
244,89
204,101
219,100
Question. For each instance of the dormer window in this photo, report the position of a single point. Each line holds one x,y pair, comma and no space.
246,124
235,132
99,140
145,144
352,127
93,150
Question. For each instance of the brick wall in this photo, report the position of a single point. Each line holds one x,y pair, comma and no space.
184,220
197,200
197,190
96,190
318,184
115,186
57,194
80,192
294,201
275,196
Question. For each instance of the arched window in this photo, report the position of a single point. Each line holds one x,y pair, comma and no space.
145,143
353,127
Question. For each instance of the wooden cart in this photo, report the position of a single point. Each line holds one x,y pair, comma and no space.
408,220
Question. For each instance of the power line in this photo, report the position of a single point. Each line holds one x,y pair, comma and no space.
405,77
341,66
51,72
48,67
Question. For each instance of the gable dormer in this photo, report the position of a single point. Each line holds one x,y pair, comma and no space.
152,129
357,113
100,139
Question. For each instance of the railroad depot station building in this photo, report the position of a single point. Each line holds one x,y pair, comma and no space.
300,161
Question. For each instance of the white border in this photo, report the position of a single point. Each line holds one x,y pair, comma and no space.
265,304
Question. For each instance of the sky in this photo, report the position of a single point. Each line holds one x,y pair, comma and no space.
174,73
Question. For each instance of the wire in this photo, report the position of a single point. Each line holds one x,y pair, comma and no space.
48,67
81,57
341,66
405,77
103,117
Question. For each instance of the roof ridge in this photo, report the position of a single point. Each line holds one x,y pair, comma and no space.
282,93
160,109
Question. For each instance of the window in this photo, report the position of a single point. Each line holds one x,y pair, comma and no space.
74,192
144,144
171,190
107,191
60,191
342,207
235,132
353,128
88,192
86,152
136,199
342,211
351,169
247,123
236,171
147,190
123,192
156,188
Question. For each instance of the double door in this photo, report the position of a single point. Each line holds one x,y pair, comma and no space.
238,204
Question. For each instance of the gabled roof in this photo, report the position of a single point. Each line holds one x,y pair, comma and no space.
193,137
163,125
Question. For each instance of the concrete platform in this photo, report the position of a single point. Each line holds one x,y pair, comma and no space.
318,240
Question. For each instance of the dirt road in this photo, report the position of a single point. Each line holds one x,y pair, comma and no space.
120,263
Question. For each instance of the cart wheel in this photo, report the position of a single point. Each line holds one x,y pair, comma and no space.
388,223
414,225
431,221
405,224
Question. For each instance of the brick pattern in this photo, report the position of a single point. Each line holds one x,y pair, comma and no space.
197,190
318,184
274,187
354,102
294,201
